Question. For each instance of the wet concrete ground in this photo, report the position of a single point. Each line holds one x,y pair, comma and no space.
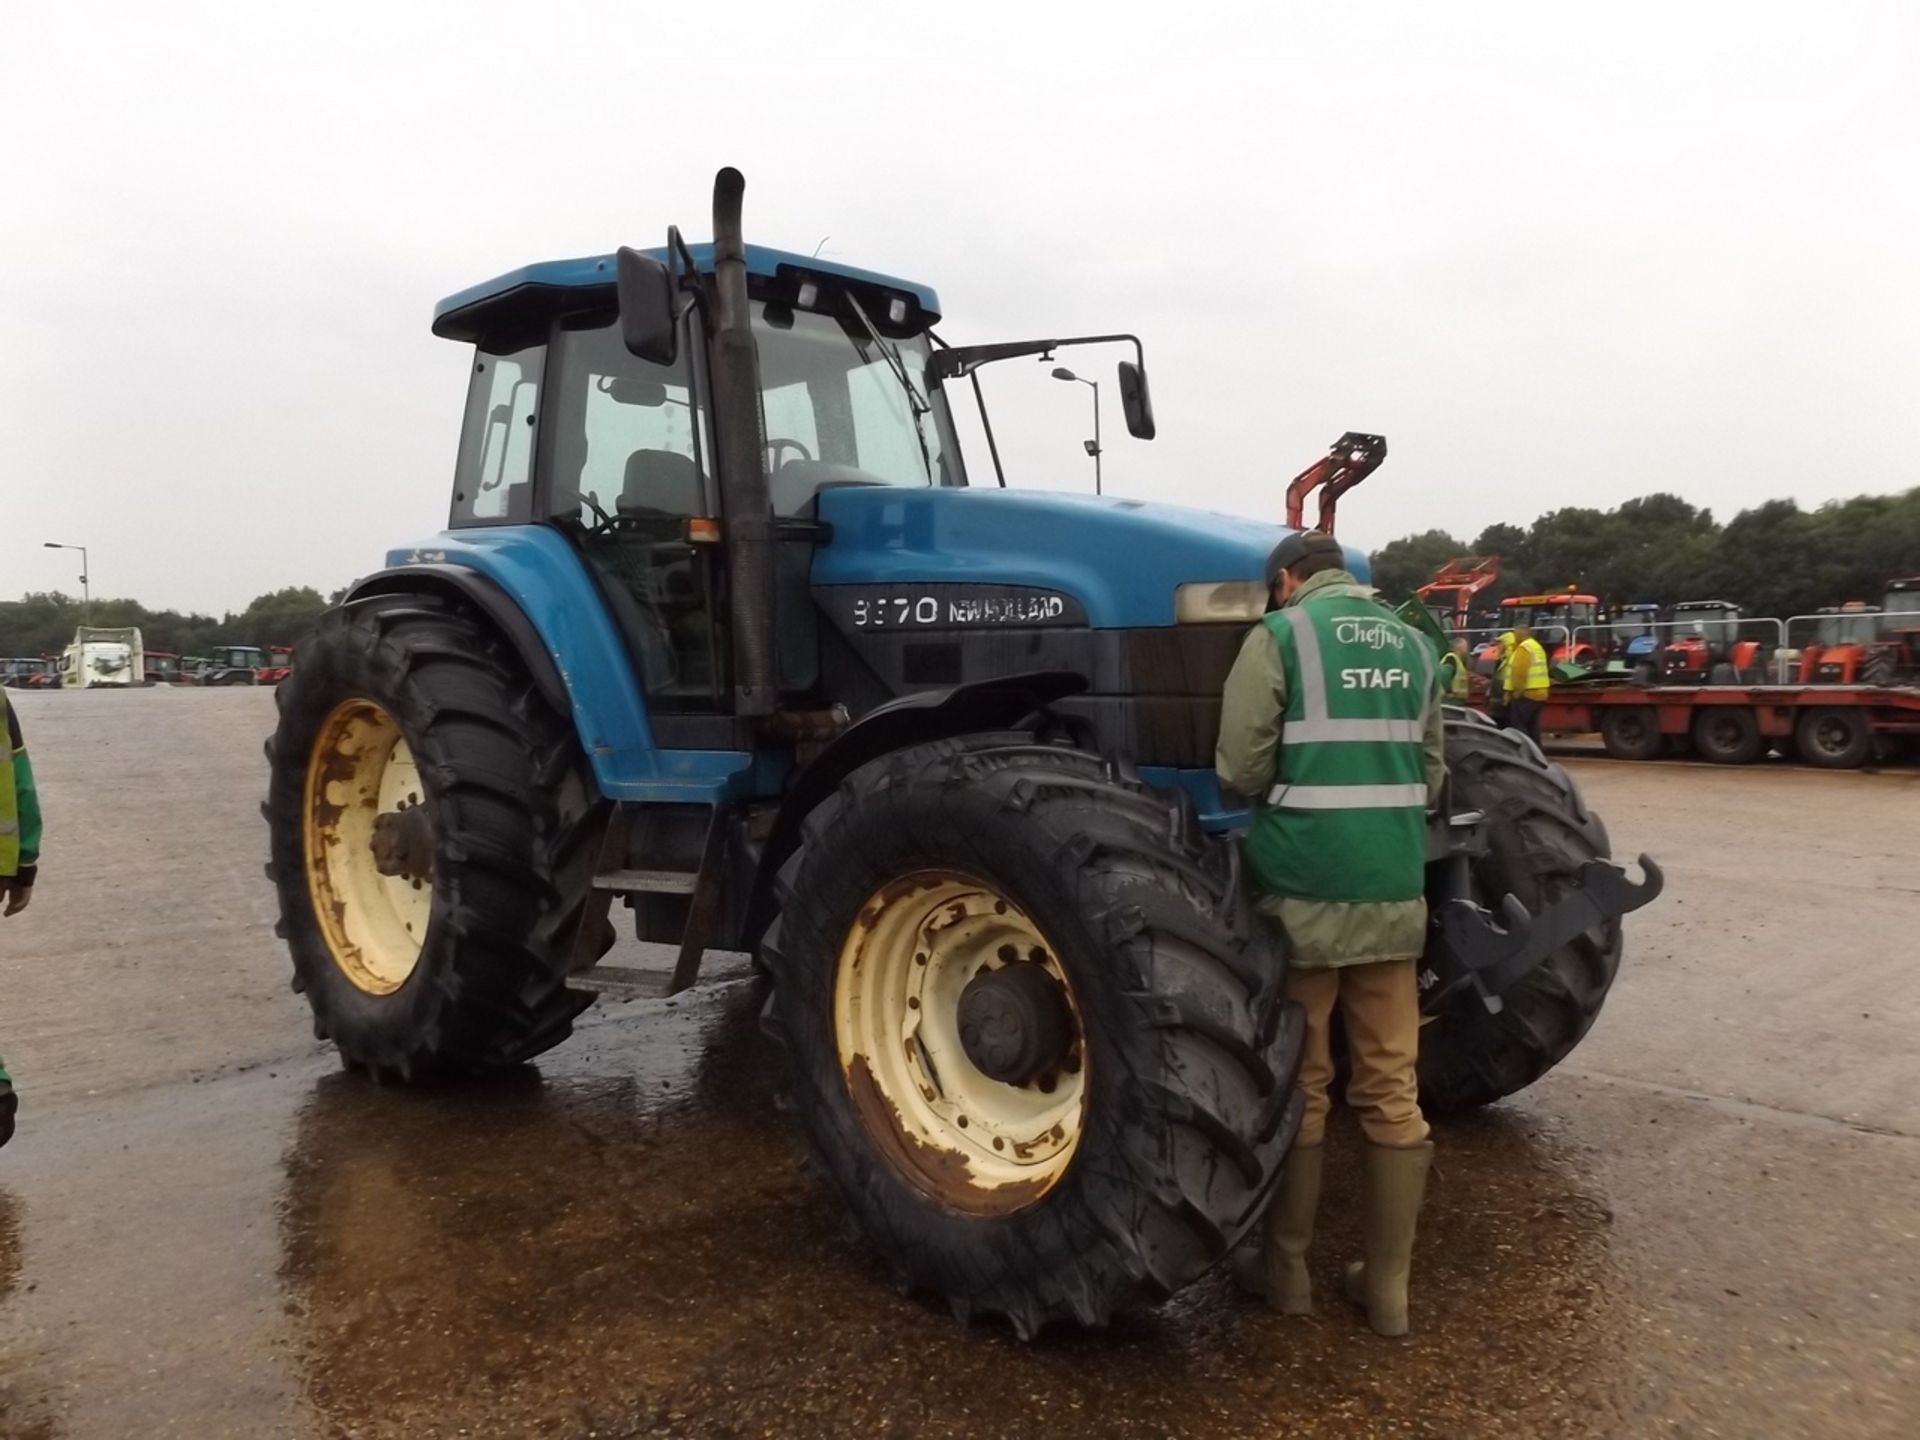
1706,1223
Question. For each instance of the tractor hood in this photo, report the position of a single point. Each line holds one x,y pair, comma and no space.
1122,559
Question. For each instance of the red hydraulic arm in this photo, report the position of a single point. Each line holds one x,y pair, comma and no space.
1354,456
1462,579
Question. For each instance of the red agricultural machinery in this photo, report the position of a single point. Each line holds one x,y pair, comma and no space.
1861,644
1704,646
1448,596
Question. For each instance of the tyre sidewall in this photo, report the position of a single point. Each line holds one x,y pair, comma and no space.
349,661
878,841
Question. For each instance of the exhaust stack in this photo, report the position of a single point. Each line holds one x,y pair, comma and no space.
742,458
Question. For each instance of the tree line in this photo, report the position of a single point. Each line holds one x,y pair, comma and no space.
1773,559
43,622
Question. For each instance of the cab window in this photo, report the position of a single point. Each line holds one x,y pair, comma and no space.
493,477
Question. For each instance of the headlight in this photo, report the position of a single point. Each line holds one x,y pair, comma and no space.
1218,601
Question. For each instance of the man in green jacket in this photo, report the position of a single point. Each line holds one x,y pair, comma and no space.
1331,726
19,858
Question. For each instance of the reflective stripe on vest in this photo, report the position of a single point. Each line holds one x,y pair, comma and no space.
1345,819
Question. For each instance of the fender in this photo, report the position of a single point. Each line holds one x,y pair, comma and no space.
910,720
486,597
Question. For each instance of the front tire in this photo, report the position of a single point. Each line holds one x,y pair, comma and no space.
993,856
434,830
1541,832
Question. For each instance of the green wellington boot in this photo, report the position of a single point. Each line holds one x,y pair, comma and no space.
1395,1181
1272,1261
1290,1231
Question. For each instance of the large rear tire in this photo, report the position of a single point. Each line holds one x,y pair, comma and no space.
434,830
1541,833
1138,1155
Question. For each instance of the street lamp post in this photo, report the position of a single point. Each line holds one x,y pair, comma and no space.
86,573
1093,445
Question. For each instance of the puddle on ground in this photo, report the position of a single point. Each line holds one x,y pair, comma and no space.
601,1253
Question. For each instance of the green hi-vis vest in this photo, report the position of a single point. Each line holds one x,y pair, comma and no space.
1346,817
9,799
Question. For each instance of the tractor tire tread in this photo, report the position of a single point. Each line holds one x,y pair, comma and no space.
1182,1009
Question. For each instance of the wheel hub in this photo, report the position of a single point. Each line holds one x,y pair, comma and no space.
369,842
1015,1025
960,1039
403,842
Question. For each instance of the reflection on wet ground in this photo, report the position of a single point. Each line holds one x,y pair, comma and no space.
613,1255
1703,1224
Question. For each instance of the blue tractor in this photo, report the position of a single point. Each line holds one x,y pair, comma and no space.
723,630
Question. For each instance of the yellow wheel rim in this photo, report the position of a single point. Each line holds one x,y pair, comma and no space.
361,781
974,1143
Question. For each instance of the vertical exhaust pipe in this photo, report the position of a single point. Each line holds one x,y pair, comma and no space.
742,458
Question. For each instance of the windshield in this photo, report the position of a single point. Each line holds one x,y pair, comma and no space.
1716,627
1903,602
839,411
1855,629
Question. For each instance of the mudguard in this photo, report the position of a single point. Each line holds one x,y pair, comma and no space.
910,720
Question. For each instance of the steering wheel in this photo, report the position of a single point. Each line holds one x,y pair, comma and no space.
775,444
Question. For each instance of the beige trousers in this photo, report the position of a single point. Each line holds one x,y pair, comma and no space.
1380,1006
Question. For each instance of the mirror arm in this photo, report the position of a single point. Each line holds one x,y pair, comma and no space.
962,360
685,276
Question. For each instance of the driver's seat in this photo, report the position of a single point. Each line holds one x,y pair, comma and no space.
662,482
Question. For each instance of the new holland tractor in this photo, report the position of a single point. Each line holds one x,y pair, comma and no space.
723,630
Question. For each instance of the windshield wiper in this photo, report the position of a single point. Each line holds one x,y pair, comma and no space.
891,352
917,403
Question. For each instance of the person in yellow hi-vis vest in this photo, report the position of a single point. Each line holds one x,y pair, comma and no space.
1528,682
1454,682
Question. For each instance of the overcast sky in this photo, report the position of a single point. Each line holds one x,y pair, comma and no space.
1557,255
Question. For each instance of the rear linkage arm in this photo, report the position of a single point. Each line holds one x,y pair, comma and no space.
1467,949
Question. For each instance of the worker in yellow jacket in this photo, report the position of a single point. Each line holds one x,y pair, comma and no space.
1528,682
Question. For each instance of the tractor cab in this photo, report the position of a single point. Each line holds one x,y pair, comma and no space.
232,665
1635,633
27,672
162,667
1857,643
1704,645
1556,621
610,411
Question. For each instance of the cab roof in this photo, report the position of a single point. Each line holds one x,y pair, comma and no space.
470,313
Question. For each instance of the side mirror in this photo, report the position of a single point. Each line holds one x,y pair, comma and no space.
647,321
1135,402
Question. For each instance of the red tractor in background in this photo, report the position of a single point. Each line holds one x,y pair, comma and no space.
29,672
1449,594
1861,644
161,667
279,665
1555,621
1704,647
